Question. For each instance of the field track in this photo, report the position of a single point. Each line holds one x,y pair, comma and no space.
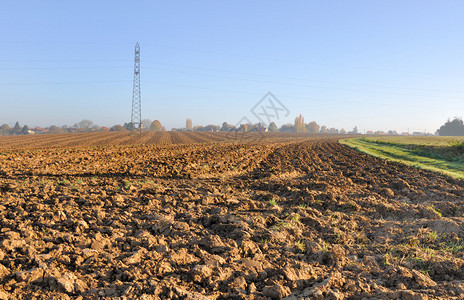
187,215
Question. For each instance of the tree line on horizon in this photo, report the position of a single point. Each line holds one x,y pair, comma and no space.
453,127
298,126
148,125
82,126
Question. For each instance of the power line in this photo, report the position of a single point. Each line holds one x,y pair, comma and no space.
299,98
209,52
289,78
63,82
310,86
229,77
63,68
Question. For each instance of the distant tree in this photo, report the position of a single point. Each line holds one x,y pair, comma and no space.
342,131
118,128
324,129
312,127
5,129
333,130
84,125
104,129
146,123
299,124
253,127
95,128
129,126
287,128
198,128
54,129
211,128
65,128
188,124
355,130
25,130
450,128
16,129
226,127
272,127
156,126
392,132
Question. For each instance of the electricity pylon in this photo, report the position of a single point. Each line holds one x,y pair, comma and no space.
136,116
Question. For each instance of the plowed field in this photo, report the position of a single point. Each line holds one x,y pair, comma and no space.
215,217
126,138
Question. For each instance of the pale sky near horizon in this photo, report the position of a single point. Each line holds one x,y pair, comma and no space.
377,65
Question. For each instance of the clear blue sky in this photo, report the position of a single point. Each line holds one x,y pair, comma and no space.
376,64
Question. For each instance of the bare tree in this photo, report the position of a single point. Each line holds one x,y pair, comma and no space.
84,125
146,123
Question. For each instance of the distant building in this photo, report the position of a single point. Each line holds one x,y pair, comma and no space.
380,133
38,130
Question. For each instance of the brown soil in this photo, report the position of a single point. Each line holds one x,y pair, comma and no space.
281,216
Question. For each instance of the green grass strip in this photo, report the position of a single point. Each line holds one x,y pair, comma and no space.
407,156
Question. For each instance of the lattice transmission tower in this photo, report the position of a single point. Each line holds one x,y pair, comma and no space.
136,116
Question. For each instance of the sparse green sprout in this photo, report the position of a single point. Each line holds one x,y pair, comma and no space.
433,236
435,211
272,202
296,218
301,245
264,241
63,182
389,259
127,184
324,247
281,224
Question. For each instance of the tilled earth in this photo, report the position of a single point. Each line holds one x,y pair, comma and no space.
269,219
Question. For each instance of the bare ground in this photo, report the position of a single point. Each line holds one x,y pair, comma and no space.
267,219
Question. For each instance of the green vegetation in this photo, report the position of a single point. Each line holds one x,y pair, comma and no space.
300,245
272,202
438,141
438,154
435,211
423,250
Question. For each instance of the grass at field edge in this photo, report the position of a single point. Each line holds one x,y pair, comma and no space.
409,157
